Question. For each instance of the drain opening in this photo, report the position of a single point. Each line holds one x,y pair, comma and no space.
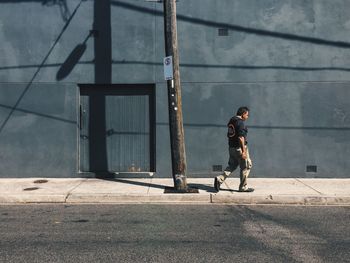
30,188
41,181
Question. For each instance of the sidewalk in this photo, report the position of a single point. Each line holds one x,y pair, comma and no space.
294,191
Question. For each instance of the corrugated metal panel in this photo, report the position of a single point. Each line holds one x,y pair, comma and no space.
128,133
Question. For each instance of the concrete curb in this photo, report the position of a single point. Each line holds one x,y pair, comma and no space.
136,198
178,198
281,200
48,198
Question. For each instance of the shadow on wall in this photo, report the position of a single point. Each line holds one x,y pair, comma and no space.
237,28
209,125
72,60
65,14
14,108
62,5
103,61
103,73
79,49
98,160
76,54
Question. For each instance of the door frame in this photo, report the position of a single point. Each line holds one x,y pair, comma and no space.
122,90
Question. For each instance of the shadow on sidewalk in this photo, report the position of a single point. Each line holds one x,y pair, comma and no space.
124,181
210,189
203,187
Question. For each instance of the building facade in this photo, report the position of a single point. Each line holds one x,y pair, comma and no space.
82,89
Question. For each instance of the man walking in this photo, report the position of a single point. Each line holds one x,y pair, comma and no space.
238,150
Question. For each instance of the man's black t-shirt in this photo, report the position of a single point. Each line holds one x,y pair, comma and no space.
240,130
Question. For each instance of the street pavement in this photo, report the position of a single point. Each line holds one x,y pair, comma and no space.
172,233
285,191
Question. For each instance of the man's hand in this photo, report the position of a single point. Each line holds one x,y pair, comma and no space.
242,143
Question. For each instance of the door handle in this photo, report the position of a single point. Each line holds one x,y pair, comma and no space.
81,118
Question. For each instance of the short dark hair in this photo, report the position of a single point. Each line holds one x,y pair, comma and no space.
242,110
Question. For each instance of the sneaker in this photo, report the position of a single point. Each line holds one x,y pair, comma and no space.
246,189
216,184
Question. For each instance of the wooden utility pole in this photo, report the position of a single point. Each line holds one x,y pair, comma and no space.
178,155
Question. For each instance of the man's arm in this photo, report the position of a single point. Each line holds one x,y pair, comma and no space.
242,145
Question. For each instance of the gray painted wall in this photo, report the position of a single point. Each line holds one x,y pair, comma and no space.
287,60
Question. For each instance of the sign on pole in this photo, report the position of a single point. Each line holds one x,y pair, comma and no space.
168,68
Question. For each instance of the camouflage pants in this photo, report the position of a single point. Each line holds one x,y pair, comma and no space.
235,161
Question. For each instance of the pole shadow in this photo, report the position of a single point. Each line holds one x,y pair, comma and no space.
125,181
98,159
203,187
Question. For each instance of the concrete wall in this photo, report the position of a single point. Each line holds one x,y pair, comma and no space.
287,60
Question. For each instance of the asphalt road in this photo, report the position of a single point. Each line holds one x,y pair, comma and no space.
174,233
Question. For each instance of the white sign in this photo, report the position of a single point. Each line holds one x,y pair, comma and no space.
168,68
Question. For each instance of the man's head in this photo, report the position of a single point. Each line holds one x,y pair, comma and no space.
243,112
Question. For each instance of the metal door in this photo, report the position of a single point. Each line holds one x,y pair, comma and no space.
117,124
